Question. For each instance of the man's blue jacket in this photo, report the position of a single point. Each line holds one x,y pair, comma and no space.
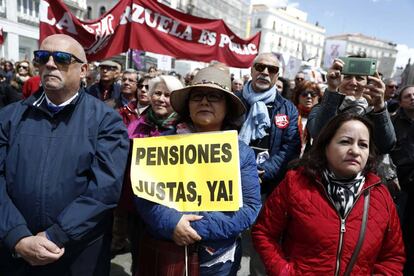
284,141
59,173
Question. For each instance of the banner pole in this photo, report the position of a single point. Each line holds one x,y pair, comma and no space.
186,260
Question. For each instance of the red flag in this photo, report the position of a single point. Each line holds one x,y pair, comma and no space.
1,36
149,26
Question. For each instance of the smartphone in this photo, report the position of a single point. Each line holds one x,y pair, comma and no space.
359,66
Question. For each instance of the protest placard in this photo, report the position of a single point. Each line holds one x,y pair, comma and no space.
190,172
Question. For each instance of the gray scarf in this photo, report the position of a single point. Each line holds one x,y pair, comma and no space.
257,121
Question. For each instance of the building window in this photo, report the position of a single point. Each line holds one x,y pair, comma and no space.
280,42
89,13
259,23
180,5
102,10
274,25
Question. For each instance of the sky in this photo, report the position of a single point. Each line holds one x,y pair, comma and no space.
390,20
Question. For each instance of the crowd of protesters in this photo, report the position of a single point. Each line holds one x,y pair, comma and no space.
333,168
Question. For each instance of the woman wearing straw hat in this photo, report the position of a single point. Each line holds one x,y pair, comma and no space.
206,105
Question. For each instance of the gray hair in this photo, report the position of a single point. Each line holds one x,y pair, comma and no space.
387,81
171,82
131,71
268,55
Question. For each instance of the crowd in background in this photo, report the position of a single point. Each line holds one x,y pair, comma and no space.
296,113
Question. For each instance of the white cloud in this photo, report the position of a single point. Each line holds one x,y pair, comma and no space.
404,53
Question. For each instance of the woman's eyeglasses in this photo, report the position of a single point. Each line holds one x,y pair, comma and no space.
260,67
63,58
211,97
305,94
23,66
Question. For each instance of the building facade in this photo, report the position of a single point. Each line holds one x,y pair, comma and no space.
351,44
407,75
20,22
234,12
286,32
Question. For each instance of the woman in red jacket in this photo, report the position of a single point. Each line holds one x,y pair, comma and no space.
331,215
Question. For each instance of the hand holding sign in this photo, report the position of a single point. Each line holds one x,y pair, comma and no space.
184,234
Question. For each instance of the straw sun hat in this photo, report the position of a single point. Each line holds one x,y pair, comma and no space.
209,77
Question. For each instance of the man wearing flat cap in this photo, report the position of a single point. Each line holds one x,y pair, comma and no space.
107,89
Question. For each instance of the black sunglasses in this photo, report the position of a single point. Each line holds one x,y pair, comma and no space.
42,57
313,94
142,86
260,67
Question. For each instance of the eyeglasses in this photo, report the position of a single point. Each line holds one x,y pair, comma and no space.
23,66
212,97
63,58
313,94
299,79
260,67
142,86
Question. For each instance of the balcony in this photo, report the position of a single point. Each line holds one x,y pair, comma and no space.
2,8
28,11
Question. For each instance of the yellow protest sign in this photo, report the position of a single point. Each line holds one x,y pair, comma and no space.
190,172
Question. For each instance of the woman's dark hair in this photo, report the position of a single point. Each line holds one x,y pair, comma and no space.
314,161
230,121
286,87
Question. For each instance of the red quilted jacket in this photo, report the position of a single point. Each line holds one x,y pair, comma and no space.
298,231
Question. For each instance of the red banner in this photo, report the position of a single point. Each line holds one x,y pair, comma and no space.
1,36
149,26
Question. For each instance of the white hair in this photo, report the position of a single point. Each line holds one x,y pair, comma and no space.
171,82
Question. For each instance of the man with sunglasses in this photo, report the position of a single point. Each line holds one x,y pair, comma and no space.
142,93
108,89
62,160
390,96
299,79
270,129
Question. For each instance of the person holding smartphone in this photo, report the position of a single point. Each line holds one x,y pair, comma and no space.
356,93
